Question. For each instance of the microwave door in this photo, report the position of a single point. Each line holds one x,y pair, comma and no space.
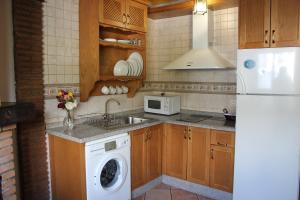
154,104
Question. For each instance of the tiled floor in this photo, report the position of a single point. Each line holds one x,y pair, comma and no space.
166,192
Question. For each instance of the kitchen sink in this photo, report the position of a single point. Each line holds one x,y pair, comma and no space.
116,123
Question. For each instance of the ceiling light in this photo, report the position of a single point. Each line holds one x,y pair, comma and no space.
200,7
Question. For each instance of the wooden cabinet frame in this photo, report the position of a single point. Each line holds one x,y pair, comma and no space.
97,57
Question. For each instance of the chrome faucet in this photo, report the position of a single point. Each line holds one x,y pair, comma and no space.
106,115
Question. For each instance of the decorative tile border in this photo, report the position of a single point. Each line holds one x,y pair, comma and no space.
51,90
191,87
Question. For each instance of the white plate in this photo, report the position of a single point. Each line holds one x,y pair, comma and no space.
124,41
135,66
130,69
121,68
137,56
110,39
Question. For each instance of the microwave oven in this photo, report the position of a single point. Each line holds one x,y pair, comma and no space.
165,105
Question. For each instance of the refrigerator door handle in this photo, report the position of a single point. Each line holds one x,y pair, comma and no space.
241,89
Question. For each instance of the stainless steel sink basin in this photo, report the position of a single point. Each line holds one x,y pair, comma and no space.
117,123
135,120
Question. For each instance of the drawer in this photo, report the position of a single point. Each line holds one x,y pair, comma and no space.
222,138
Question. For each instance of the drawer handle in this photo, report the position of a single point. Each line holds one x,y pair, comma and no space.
219,143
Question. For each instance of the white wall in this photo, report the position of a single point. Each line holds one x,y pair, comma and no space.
7,78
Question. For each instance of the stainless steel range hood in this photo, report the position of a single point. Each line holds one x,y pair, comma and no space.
201,56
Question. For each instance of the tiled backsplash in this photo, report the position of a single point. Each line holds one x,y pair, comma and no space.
61,41
167,39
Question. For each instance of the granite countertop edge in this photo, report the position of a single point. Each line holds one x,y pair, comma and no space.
216,123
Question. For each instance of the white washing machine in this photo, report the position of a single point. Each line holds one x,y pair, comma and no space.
108,168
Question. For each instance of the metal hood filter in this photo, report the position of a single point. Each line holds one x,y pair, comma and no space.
201,56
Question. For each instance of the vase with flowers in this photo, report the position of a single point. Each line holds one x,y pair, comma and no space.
67,101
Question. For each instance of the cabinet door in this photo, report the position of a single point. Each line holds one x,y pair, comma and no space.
136,16
254,24
176,150
138,158
285,23
112,12
221,168
154,152
198,155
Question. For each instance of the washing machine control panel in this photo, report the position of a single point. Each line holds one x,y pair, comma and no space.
123,142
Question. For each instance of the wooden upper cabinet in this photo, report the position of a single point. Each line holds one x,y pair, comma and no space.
254,23
128,14
198,155
176,150
138,158
112,12
269,23
285,23
136,15
221,167
154,151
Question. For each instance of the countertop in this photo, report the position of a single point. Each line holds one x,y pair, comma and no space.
83,132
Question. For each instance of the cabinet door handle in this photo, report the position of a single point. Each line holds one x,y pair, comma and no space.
128,19
212,154
147,135
185,133
190,135
273,36
150,134
220,144
266,37
124,18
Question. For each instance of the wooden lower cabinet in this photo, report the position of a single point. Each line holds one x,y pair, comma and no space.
221,167
154,152
198,155
138,158
67,169
175,150
146,145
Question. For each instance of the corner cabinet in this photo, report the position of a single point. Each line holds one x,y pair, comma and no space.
187,153
146,152
269,23
118,19
199,155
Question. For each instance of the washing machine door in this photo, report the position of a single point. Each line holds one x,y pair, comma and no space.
111,174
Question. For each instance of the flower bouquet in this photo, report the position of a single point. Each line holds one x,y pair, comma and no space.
67,101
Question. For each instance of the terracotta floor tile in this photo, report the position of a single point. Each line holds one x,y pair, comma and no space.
158,194
178,194
163,187
204,198
142,197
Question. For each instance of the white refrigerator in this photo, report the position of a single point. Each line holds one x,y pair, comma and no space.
267,153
